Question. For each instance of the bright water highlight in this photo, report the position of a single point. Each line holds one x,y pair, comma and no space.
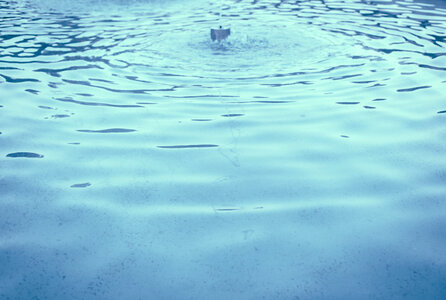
303,158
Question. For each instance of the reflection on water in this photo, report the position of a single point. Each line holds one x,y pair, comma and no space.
303,158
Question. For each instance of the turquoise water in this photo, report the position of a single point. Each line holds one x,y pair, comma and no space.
303,158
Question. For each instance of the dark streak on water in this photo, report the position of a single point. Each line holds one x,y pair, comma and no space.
81,185
60,116
18,80
414,88
35,92
348,103
188,146
232,115
226,209
110,130
25,154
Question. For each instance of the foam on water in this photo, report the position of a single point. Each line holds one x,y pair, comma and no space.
303,158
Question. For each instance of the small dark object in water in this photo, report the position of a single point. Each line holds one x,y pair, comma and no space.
220,34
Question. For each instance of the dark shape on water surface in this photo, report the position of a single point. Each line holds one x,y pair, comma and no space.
232,115
25,154
347,102
44,107
18,80
81,185
227,209
220,34
414,88
111,130
59,116
35,92
188,146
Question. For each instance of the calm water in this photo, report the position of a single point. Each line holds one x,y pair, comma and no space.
303,158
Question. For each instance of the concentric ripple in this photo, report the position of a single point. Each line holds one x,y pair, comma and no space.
302,158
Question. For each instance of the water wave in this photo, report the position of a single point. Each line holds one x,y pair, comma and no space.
302,158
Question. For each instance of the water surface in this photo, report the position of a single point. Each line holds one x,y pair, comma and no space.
303,158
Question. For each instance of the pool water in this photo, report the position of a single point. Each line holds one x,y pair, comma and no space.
302,158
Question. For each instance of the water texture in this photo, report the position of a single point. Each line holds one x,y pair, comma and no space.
303,158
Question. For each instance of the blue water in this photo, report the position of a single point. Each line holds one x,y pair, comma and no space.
303,158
